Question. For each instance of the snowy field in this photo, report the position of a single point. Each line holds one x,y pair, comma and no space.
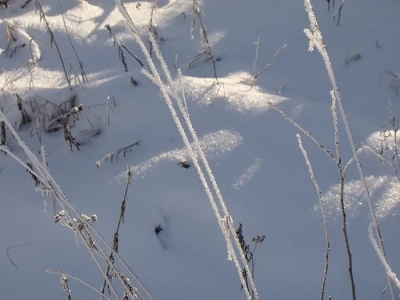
75,86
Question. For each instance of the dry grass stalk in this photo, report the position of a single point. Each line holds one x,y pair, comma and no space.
114,156
116,235
52,40
83,74
206,43
120,50
25,118
249,254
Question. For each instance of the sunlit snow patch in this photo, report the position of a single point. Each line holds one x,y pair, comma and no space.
242,180
19,43
355,198
235,89
384,189
214,144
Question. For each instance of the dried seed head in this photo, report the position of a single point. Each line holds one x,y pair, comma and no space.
59,216
64,281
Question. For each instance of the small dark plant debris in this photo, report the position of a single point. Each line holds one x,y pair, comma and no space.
184,164
354,57
15,49
158,229
133,81
3,135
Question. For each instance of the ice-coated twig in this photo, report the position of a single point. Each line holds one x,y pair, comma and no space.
225,222
62,273
307,133
316,41
228,225
323,212
381,257
86,235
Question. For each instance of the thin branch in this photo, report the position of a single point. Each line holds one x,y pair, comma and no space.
114,156
323,212
59,272
116,234
83,74
307,133
270,63
316,41
12,247
52,40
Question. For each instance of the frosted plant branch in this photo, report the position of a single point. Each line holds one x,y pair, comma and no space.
222,222
203,157
48,181
226,223
316,41
307,133
323,212
335,126
62,273
25,166
382,258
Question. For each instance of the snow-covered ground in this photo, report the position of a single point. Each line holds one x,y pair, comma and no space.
252,150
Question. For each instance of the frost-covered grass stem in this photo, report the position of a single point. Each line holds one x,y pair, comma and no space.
323,212
316,41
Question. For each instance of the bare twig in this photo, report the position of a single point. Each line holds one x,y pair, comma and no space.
323,212
59,272
133,55
271,63
83,74
339,13
307,133
52,40
383,292
316,41
26,3
120,220
12,247
207,46
114,156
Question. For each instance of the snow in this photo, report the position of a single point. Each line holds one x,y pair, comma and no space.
251,149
